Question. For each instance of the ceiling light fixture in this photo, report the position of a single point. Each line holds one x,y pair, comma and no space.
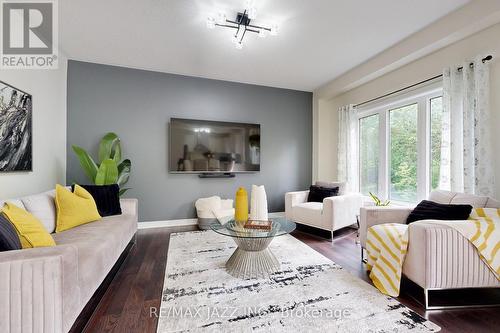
242,25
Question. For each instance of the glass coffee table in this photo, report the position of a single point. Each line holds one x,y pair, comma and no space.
252,258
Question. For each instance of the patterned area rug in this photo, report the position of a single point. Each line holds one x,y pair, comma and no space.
310,293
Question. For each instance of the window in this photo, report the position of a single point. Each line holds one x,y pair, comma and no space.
403,153
436,123
400,145
369,153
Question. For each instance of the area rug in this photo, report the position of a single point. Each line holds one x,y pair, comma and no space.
310,293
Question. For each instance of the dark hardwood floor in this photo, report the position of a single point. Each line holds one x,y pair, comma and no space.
137,287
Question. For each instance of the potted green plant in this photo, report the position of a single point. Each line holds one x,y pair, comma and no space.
111,169
377,201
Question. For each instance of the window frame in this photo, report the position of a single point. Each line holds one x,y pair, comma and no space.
422,96
359,148
429,135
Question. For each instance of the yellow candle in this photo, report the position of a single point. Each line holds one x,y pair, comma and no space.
241,209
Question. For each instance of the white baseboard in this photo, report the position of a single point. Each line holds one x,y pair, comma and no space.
183,222
167,223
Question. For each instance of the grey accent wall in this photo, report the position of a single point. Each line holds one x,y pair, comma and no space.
138,105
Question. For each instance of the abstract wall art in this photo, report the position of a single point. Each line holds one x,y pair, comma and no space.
15,129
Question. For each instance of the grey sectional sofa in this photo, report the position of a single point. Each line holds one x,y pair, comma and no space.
45,289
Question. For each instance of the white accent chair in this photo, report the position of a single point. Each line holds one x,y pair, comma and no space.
438,256
331,214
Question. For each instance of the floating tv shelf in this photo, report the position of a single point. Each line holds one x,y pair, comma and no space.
217,175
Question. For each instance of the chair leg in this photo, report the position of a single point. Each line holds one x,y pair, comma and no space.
331,235
426,296
363,260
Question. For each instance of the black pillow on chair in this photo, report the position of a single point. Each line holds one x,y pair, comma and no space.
430,210
318,193
107,198
9,239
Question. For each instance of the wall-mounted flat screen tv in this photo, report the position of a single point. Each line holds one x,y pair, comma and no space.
202,146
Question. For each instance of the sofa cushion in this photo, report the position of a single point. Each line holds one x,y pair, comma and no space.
429,210
74,209
441,196
97,250
448,197
492,203
318,193
31,231
16,202
9,240
340,185
308,212
106,197
469,199
42,206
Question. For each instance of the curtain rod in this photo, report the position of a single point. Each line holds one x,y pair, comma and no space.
487,58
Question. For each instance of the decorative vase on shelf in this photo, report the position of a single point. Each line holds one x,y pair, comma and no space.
258,203
241,205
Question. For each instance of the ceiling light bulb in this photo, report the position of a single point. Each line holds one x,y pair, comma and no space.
210,23
239,45
221,18
274,30
262,33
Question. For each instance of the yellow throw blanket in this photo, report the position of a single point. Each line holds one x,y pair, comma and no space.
482,229
386,246
486,236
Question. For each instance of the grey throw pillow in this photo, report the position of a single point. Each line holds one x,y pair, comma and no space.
9,240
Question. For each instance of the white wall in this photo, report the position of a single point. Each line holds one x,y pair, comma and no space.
48,88
484,42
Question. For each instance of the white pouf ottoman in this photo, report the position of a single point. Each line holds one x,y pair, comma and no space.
213,210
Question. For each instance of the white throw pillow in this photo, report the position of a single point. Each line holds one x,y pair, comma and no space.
43,207
16,202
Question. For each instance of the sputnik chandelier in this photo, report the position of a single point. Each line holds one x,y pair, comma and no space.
241,24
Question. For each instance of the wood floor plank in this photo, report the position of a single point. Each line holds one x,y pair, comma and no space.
137,287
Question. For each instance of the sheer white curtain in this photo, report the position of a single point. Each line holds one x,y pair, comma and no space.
347,149
466,154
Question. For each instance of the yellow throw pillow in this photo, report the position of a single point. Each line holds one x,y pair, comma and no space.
31,231
74,209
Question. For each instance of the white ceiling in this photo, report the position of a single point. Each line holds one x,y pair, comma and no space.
318,41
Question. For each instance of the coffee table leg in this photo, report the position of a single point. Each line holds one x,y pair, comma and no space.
252,259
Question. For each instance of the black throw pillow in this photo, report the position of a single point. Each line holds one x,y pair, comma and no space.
430,210
107,198
318,193
9,240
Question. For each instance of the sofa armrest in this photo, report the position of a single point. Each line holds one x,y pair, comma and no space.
440,257
292,199
129,207
341,211
39,289
370,216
